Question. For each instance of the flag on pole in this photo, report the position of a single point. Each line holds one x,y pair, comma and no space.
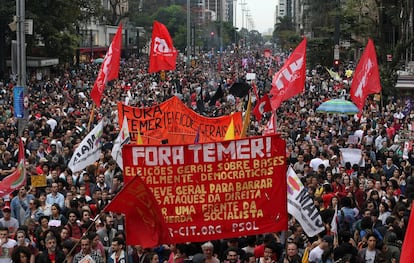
263,105
162,52
407,251
88,151
109,69
366,78
334,75
18,178
246,121
300,205
122,139
230,131
290,79
145,223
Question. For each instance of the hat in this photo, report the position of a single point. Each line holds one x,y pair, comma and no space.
43,160
328,239
6,208
334,157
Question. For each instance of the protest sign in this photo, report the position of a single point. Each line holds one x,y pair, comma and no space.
172,122
215,190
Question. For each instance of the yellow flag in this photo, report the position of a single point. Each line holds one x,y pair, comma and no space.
348,73
333,74
246,121
139,138
230,131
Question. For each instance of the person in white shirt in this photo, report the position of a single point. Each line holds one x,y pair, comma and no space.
316,253
7,245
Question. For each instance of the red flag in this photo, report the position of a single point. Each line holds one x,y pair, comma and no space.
162,53
407,251
290,79
267,53
262,106
145,223
255,90
109,69
18,178
366,77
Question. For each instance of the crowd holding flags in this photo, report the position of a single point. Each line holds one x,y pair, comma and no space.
109,69
135,199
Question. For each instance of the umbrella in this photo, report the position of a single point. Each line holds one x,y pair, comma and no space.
338,106
98,60
240,89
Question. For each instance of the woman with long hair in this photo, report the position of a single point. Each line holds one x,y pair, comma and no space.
44,207
40,232
34,210
56,215
22,254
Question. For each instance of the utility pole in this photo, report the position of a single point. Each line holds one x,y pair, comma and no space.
21,60
188,32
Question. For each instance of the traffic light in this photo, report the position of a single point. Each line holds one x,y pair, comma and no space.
336,64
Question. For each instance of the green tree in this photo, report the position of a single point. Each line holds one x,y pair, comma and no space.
57,28
285,34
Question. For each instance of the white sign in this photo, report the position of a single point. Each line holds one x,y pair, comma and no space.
250,76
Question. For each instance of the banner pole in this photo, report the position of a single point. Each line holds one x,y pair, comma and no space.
91,117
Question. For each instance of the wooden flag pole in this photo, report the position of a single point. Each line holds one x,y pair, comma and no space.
91,116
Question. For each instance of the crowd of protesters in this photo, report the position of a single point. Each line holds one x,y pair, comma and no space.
57,221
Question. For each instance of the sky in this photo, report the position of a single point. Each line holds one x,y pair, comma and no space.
262,12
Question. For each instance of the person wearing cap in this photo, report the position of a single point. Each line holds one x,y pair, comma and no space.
316,253
9,222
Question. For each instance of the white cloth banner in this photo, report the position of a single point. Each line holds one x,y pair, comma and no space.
301,206
353,156
122,139
88,150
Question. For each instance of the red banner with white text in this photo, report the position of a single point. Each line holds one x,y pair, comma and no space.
172,122
215,190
